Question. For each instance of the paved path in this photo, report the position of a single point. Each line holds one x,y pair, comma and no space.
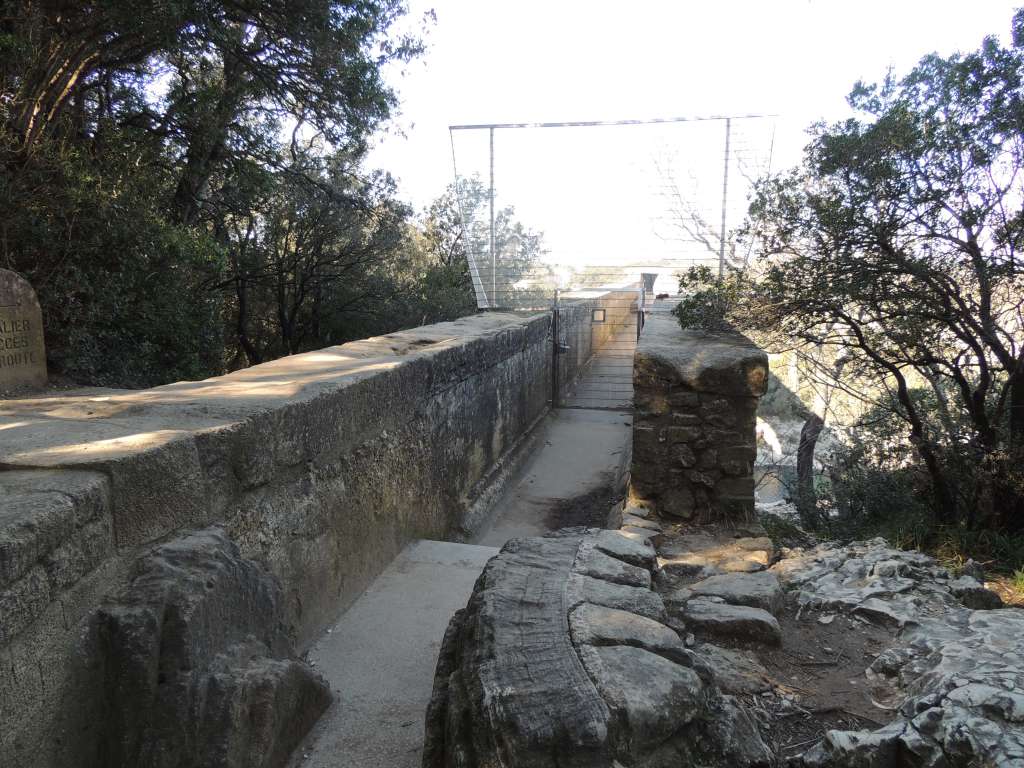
607,381
579,452
379,658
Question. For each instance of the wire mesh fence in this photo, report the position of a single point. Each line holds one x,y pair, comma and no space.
594,220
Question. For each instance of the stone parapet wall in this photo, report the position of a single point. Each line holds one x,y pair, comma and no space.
318,467
694,433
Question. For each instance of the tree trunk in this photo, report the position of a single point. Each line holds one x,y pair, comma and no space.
806,498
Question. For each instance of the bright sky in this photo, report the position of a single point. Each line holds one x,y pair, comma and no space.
561,60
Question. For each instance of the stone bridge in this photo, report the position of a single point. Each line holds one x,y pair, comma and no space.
169,556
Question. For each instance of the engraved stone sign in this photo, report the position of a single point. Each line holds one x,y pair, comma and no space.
22,355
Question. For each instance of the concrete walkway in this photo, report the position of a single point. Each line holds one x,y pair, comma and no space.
607,380
379,658
580,453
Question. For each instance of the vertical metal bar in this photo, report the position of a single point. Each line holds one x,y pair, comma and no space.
494,262
554,352
725,194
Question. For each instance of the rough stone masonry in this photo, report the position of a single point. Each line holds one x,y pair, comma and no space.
694,434
275,493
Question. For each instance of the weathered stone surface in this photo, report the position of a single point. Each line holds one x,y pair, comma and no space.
643,534
597,625
758,590
22,350
973,594
591,561
516,686
734,673
516,690
43,511
962,676
699,554
641,522
651,696
720,618
627,547
639,600
722,364
199,667
883,584
636,510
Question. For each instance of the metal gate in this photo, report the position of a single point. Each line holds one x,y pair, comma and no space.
594,335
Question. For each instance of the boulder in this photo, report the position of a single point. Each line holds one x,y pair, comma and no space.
973,594
517,685
719,618
758,590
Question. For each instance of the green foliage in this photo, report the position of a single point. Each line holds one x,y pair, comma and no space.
709,302
896,244
121,287
877,486
184,187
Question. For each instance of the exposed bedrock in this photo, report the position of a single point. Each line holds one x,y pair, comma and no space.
557,661
199,668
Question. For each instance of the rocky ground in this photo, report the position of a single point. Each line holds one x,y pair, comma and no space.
851,655
665,638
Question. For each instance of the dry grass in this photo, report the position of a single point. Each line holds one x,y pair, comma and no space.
1009,588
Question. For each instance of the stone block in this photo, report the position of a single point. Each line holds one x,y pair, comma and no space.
681,398
685,456
758,590
677,502
720,618
673,435
708,458
735,488
681,419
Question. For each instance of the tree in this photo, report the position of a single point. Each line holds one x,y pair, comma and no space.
164,173
507,278
897,241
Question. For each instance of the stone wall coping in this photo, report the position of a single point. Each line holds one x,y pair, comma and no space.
89,426
718,362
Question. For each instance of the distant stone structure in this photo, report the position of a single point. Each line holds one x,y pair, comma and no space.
694,434
22,352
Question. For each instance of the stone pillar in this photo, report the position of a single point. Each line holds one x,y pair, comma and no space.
694,433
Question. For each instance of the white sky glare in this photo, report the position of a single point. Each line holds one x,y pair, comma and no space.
561,60
549,60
